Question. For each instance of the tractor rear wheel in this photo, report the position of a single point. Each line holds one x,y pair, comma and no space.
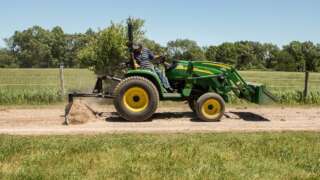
210,107
136,98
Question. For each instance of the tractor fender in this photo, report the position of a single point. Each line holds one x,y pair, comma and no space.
153,77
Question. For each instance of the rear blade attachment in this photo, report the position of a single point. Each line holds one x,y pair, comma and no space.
78,111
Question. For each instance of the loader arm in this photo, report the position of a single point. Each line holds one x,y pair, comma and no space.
253,92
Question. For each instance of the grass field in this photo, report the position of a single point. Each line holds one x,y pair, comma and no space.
162,156
41,86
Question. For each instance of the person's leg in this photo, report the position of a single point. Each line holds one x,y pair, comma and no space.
163,78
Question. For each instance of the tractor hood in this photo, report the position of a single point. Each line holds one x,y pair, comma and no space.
183,69
206,70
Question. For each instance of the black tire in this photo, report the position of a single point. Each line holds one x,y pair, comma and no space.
210,107
131,112
192,104
192,99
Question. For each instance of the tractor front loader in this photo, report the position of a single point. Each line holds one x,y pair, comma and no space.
205,85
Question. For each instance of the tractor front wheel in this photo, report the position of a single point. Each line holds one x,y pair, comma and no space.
136,98
210,107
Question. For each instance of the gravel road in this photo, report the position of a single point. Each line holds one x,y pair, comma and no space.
47,121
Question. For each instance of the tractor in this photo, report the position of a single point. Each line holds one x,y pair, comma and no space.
204,85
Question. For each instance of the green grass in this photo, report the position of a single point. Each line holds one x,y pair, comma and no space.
41,86
162,156
283,80
75,79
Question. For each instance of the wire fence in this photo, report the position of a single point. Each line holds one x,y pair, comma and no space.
82,79
74,79
20,85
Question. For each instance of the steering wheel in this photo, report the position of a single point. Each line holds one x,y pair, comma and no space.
173,65
168,66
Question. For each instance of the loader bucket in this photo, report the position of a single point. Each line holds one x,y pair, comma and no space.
261,95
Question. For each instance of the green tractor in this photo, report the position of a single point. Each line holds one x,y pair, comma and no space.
204,85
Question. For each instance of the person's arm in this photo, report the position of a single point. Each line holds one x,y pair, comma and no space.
151,55
135,60
157,56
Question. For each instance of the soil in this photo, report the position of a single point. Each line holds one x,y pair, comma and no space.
79,112
50,120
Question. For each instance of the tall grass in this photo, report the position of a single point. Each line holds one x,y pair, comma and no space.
296,97
32,96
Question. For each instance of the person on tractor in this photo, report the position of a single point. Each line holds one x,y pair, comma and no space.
144,58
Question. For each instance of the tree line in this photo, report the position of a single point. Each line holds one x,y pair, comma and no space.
104,49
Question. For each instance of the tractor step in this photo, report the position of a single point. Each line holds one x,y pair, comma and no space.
171,96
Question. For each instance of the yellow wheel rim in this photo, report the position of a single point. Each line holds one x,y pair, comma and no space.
136,99
211,108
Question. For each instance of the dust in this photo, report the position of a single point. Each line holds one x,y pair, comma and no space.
79,112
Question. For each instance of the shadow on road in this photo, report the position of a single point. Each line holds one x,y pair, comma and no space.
156,116
249,116
173,115
246,116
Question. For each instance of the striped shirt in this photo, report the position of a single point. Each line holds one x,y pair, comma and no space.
144,58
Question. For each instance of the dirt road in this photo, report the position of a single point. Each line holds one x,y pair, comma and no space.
166,120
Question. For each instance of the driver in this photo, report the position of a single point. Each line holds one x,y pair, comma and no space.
144,57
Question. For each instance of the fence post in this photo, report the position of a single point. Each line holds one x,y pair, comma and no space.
306,79
61,80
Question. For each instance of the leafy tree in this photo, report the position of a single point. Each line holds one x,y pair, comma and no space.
269,56
7,59
184,49
311,56
105,51
226,53
37,47
246,58
285,61
244,54
138,31
32,47
75,43
58,46
211,53
295,50
306,55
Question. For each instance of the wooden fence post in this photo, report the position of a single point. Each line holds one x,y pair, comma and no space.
61,80
306,80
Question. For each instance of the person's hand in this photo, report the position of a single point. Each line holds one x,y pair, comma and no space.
162,59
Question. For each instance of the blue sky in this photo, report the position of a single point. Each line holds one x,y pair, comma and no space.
206,21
